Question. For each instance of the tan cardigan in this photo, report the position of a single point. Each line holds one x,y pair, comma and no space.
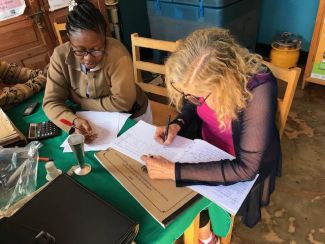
111,85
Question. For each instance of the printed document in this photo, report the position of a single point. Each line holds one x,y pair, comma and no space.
139,140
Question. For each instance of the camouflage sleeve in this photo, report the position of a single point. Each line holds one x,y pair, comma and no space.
20,83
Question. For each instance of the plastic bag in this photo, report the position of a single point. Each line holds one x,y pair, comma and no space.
18,173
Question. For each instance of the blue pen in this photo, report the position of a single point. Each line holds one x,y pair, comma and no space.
167,128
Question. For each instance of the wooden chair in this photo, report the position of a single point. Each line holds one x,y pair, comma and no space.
160,110
290,77
59,27
191,235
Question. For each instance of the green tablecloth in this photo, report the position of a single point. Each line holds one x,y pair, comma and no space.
105,186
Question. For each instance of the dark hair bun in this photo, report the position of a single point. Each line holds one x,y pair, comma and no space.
85,16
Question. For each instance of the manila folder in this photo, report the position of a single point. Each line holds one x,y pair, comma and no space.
161,198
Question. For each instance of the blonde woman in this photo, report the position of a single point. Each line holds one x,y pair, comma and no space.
232,99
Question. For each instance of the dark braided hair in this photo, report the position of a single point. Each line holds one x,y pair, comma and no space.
85,16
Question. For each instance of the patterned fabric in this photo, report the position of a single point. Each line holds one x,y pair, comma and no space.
18,83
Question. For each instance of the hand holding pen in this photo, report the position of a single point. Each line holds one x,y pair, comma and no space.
81,126
167,129
166,134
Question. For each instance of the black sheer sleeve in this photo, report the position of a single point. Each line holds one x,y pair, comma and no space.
255,142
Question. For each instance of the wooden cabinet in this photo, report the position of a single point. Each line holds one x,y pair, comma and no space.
315,67
29,39
26,39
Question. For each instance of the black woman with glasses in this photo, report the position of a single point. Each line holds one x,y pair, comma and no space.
92,70
232,98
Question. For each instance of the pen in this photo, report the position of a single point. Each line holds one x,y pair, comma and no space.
45,159
73,128
167,128
68,123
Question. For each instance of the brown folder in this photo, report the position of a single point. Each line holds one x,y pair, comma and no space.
161,198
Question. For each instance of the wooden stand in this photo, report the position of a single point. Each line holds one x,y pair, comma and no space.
319,26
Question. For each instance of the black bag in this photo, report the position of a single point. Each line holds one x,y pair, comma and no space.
73,214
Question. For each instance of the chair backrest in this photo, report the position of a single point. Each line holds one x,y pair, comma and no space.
138,65
59,27
159,110
291,77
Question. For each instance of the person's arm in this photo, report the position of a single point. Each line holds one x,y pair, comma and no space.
19,83
56,93
12,74
257,131
123,89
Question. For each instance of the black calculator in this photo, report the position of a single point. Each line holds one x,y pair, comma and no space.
38,131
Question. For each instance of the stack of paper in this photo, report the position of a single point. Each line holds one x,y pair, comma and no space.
105,124
9,134
139,140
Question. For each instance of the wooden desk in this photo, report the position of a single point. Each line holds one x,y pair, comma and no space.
105,186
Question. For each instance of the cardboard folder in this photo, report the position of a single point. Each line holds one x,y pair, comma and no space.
72,214
162,199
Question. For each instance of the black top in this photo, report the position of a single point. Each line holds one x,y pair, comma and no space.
255,138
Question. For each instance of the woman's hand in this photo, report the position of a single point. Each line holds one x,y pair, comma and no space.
83,127
172,133
159,168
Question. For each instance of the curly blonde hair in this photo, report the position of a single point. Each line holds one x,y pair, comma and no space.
211,61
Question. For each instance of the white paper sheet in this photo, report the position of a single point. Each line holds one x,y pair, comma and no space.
105,124
57,4
139,140
11,8
228,197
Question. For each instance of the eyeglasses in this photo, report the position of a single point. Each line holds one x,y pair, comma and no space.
83,53
197,101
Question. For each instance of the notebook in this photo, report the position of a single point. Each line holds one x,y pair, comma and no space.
73,214
9,134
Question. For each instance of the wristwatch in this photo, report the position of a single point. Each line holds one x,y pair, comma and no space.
179,122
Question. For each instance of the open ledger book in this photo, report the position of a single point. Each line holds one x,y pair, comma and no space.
139,140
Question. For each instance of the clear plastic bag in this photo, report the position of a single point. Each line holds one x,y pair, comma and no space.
18,173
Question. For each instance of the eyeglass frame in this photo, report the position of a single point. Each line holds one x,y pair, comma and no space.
86,52
190,97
